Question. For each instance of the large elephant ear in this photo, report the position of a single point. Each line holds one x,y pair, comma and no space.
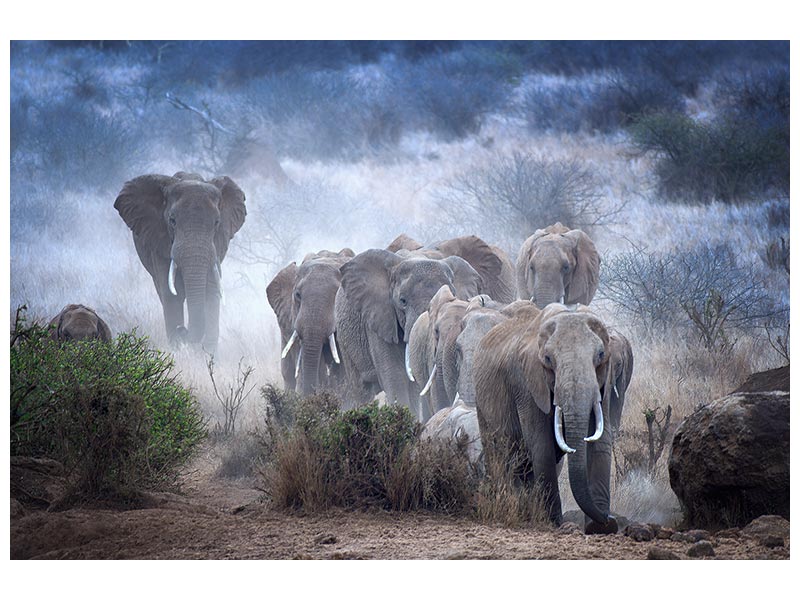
480,255
54,325
582,285
232,213
524,285
279,296
619,376
538,332
141,205
366,280
466,280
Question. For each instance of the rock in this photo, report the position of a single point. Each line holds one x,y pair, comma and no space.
767,525
610,527
456,555
772,541
639,532
732,533
17,510
325,538
774,380
701,549
656,553
665,533
568,527
730,459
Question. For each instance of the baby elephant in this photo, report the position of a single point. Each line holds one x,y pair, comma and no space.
79,322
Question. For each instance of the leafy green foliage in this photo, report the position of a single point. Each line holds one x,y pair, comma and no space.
114,413
371,455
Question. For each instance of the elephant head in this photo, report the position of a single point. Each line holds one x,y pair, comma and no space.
491,263
303,300
545,381
475,324
391,291
77,322
557,264
182,226
443,325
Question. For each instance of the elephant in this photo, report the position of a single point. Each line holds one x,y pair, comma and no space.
77,322
182,226
492,263
303,300
381,297
550,383
431,350
557,264
457,424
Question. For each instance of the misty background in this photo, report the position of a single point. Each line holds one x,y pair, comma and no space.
671,155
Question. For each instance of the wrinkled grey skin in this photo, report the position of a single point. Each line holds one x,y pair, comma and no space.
476,323
381,297
190,222
432,343
303,300
535,361
496,269
558,264
77,322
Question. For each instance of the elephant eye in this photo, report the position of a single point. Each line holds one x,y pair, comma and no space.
297,296
216,224
403,301
565,268
172,220
600,356
548,361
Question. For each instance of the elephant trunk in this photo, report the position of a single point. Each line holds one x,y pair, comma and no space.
547,290
195,280
311,354
576,429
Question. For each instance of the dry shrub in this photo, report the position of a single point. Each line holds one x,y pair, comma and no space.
297,478
501,498
241,455
433,475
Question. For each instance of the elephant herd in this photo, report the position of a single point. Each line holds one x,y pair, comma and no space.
508,356
473,343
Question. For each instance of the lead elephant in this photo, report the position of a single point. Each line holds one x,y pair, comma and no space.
547,385
558,264
77,322
182,226
381,297
303,300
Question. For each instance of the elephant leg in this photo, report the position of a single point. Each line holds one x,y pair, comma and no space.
211,335
543,455
598,457
172,307
287,370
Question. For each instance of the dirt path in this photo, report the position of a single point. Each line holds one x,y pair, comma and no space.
217,518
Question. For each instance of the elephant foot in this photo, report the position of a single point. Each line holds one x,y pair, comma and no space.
593,527
179,337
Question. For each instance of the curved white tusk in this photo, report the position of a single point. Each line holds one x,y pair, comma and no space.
598,418
616,393
297,366
559,431
561,300
171,277
332,342
408,364
430,382
289,344
218,274
456,399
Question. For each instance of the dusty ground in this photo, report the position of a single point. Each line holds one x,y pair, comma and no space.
217,518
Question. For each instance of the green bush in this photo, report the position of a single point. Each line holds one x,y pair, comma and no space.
114,413
727,159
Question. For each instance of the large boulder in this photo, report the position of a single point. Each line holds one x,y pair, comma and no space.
730,459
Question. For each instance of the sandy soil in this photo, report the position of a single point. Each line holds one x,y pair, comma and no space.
220,519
